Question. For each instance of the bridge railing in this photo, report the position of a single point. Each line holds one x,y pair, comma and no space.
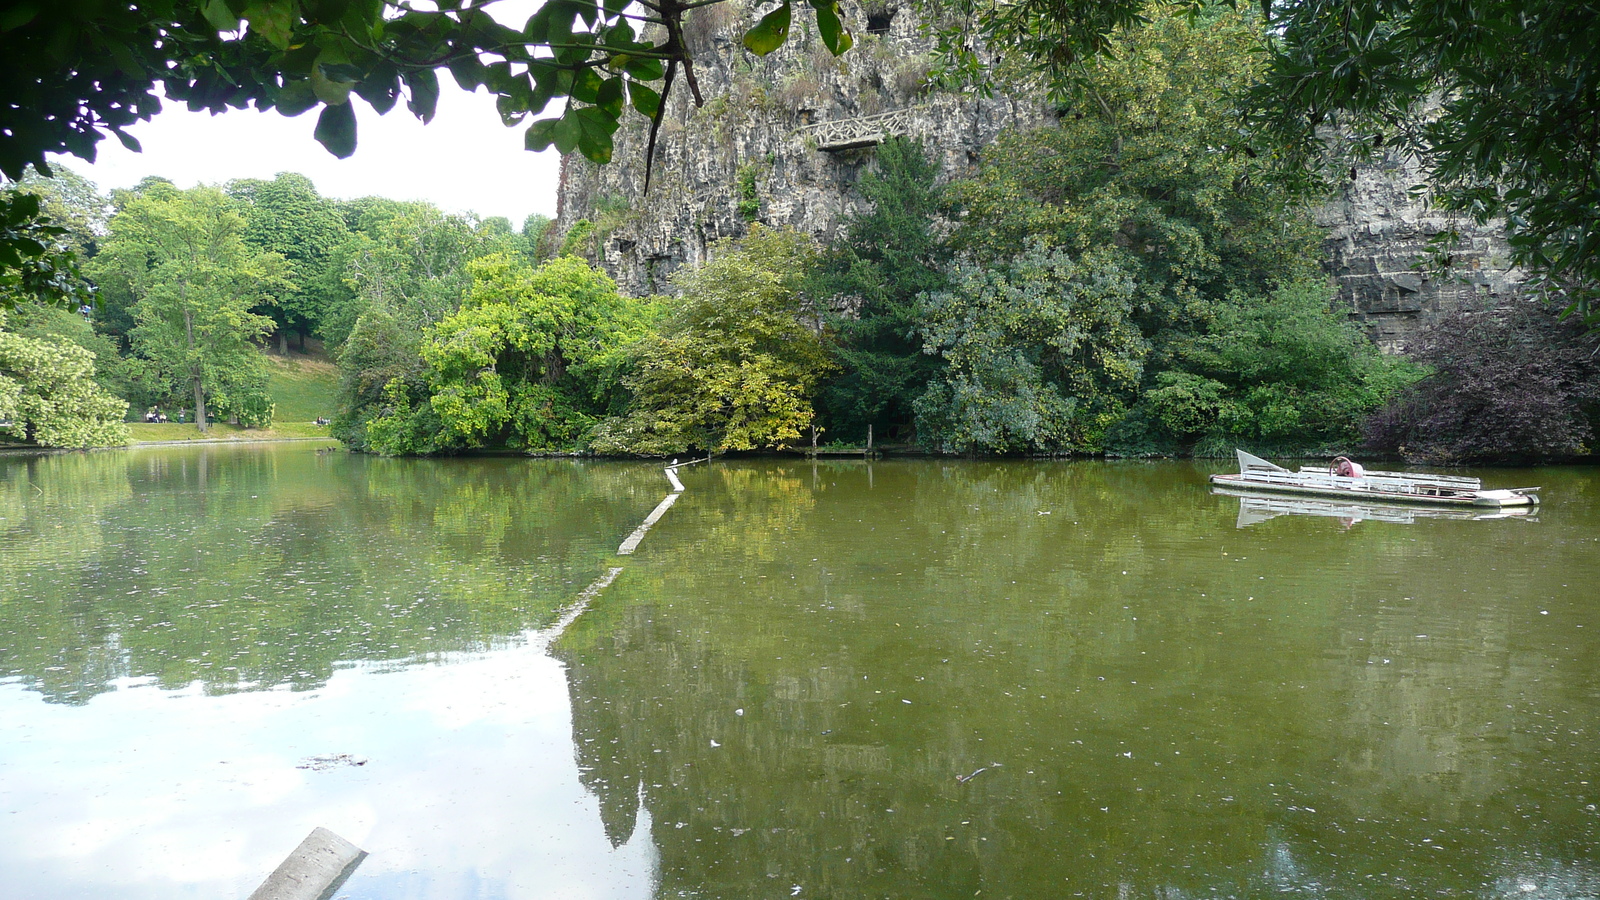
863,131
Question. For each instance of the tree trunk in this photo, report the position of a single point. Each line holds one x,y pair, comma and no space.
194,374
283,341
199,404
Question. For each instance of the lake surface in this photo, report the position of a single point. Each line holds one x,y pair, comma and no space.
903,679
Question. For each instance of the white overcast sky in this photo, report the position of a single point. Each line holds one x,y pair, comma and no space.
465,160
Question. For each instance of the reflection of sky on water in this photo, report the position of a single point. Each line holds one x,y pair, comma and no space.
471,789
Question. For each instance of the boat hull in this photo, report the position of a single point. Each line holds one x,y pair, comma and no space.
1479,499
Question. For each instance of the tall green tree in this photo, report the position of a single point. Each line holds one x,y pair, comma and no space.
72,202
734,367
532,360
182,258
409,256
1041,355
286,216
403,268
1148,163
889,255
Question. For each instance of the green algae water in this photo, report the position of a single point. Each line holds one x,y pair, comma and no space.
896,679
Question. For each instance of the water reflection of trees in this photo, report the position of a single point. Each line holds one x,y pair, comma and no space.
244,568
1180,708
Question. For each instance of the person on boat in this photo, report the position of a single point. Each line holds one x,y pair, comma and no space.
1344,467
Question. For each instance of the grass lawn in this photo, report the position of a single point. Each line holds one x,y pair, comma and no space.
146,432
302,390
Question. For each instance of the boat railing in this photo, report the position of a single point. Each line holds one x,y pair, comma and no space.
1378,482
1471,484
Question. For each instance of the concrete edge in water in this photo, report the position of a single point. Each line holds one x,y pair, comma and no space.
314,871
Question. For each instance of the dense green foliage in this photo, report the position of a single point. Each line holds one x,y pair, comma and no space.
1512,137
35,263
1138,277
1040,353
287,217
1282,372
180,259
1145,163
530,361
889,256
735,364
48,395
1168,296
1496,99
405,268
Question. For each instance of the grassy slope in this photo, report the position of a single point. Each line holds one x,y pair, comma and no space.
303,389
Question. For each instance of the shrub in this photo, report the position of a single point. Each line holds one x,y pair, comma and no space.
1516,385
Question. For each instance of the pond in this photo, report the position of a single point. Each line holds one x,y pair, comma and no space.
899,679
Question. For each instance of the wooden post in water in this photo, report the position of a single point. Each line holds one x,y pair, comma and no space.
868,454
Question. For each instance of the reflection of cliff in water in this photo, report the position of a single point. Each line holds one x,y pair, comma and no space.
248,567
1176,709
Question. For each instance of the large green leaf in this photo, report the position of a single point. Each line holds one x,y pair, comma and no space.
566,133
769,33
644,99
220,16
595,128
835,36
273,20
541,134
644,69
586,86
424,87
610,97
327,90
336,130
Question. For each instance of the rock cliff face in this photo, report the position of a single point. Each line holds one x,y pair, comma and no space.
743,158
1379,238
746,156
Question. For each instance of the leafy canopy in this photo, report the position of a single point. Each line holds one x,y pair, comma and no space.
1040,355
531,359
889,255
180,256
48,395
735,365
1281,371
1145,163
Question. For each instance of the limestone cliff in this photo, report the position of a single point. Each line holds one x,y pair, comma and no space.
1379,231
746,156
742,157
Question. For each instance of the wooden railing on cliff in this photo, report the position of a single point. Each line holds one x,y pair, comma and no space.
864,131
